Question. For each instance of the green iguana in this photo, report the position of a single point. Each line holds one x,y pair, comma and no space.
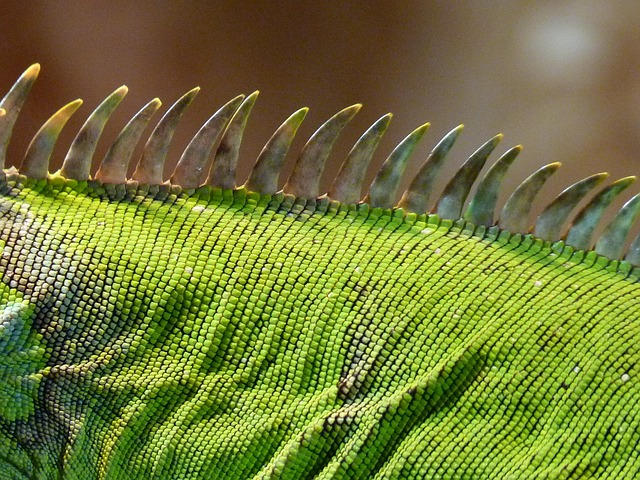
191,328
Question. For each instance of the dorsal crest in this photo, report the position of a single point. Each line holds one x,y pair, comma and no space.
210,159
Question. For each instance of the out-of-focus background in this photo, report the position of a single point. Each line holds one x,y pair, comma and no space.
562,78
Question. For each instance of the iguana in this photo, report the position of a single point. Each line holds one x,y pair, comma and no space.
195,329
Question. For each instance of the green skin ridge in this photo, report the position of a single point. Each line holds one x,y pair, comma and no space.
209,334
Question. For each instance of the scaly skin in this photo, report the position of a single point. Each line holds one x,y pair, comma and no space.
224,334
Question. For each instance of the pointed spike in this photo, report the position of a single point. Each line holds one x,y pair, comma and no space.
483,204
416,198
188,171
266,172
515,214
580,233
150,167
12,103
222,173
549,223
347,185
36,161
77,163
115,164
384,187
305,179
452,200
611,242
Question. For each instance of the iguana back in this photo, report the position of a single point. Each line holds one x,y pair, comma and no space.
189,330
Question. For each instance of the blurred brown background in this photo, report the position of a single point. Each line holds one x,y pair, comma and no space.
562,78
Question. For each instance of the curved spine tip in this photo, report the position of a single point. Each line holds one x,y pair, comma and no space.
549,223
114,166
150,167
32,71
514,217
586,221
416,198
347,185
383,189
483,204
304,181
451,201
77,163
12,104
222,173
35,163
188,171
266,171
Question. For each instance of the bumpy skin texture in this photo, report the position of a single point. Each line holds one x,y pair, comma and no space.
220,334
